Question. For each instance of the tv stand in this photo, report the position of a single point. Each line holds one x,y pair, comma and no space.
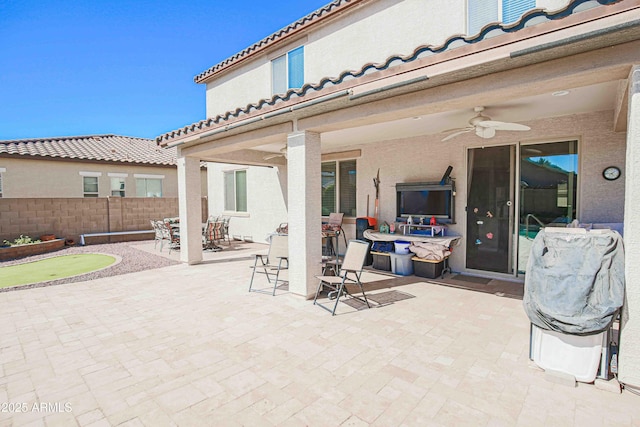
429,230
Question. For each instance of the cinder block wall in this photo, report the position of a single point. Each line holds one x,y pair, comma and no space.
70,217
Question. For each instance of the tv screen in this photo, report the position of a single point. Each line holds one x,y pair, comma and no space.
425,201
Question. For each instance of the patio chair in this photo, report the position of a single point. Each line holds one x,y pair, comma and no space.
331,232
173,234
225,230
351,271
213,233
273,262
159,236
162,234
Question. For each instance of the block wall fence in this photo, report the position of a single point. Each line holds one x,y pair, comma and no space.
68,218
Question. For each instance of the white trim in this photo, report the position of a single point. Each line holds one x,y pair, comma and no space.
3,170
236,214
143,175
118,175
83,173
235,169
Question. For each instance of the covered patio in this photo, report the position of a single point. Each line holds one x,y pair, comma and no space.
394,116
188,345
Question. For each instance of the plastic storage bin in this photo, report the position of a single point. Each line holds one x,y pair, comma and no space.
381,261
427,268
401,264
401,247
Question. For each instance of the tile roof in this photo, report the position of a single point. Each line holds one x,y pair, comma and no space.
107,148
314,17
532,17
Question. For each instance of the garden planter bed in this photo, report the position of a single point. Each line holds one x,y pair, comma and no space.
19,251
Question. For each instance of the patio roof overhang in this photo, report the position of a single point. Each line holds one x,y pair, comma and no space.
590,51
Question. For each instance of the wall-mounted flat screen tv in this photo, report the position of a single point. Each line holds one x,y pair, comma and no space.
426,200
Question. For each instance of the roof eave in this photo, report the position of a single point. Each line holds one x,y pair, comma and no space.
278,38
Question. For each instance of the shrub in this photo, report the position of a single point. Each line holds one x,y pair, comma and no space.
22,240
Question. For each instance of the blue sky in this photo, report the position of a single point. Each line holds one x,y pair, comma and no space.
120,67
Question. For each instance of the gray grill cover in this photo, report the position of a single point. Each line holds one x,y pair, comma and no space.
574,283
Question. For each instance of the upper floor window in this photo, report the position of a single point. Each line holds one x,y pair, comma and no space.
287,71
235,191
339,187
482,12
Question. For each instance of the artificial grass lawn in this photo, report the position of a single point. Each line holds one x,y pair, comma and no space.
52,269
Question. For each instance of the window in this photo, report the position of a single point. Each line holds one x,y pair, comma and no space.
148,187
235,191
90,186
482,12
90,183
287,71
1,171
339,187
117,186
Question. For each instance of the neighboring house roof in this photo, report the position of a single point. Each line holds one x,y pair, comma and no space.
104,148
348,79
330,10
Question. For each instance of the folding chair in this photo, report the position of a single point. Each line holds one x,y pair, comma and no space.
352,263
276,260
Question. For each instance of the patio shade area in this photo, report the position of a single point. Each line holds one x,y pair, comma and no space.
189,345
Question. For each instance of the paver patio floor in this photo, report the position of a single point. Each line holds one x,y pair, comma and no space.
188,345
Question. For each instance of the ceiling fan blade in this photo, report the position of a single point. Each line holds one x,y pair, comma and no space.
502,125
485,132
453,135
466,129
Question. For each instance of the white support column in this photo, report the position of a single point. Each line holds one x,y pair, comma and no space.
190,201
304,214
629,357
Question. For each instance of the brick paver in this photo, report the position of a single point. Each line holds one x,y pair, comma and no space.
188,345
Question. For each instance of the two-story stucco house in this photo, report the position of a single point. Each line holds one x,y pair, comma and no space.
534,104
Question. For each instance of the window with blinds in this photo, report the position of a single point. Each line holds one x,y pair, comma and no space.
90,186
512,10
287,71
483,12
339,187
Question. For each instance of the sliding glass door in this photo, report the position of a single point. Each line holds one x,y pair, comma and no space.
543,183
548,191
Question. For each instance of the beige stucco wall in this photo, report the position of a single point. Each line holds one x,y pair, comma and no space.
426,158
266,200
369,34
52,178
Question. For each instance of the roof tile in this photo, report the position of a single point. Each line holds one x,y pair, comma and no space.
109,148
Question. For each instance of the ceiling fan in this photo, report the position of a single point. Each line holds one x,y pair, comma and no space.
283,153
484,127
